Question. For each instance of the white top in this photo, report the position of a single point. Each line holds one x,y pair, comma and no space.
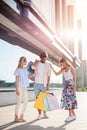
68,75
42,70
23,77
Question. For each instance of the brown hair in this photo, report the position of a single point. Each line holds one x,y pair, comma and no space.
64,60
21,61
44,55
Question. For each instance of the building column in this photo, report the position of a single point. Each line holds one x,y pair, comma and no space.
80,70
64,16
79,40
70,22
64,20
58,17
61,18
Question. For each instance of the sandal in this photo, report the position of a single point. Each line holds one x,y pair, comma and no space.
22,120
17,120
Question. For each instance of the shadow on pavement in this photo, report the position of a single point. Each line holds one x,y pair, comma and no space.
7,125
30,126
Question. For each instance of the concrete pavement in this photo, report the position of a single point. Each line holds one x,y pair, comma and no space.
56,120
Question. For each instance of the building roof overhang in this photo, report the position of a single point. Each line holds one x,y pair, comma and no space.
23,31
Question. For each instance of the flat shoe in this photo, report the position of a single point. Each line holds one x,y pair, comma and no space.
22,120
17,121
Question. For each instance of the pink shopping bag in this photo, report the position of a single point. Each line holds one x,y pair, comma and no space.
53,102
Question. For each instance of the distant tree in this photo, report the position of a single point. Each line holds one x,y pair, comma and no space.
10,84
2,83
31,84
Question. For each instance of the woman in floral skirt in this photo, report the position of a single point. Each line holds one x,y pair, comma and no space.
68,100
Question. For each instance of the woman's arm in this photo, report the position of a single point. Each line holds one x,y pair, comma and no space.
74,77
31,76
17,85
57,73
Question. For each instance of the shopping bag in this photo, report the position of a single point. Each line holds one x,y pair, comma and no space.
53,102
39,102
46,104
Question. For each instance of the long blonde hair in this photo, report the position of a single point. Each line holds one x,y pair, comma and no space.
21,62
64,60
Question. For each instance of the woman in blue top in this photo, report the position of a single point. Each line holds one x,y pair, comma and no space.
22,83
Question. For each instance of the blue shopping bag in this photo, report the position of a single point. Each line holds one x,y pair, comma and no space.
46,104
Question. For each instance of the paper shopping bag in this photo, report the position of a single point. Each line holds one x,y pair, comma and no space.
39,102
46,104
53,102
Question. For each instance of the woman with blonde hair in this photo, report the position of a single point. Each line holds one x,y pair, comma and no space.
68,100
22,83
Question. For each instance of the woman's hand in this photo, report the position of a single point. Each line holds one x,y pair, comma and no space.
17,92
74,87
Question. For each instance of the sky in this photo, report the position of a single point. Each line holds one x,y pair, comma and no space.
9,57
